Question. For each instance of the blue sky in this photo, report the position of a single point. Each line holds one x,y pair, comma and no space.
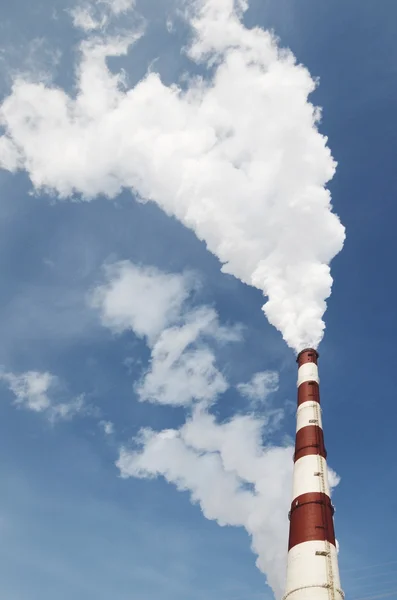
70,525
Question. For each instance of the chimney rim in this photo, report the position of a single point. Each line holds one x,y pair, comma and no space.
307,350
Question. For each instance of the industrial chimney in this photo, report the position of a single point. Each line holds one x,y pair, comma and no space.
312,572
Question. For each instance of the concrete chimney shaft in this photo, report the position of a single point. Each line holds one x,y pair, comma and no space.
312,572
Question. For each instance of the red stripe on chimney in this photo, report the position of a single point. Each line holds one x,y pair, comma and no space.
307,356
308,391
311,519
309,440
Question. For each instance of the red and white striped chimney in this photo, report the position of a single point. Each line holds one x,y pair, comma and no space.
313,572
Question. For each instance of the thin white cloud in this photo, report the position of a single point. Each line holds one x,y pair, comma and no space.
31,389
65,411
154,305
95,15
10,159
260,386
333,478
39,392
183,367
142,299
83,18
107,427
40,62
119,6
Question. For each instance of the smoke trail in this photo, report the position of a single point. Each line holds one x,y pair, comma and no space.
236,157
232,469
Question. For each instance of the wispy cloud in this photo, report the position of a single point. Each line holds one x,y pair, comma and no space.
107,427
39,392
31,389
96,15
154,305
142,299
260,386
183,366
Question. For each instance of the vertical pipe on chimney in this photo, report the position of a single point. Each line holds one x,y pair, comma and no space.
312,572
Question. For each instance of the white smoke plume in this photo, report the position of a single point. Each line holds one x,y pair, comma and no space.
231,468
236,156
235,480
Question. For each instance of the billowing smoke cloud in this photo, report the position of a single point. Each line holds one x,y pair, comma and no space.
234,478
236,157
228,472
231,469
